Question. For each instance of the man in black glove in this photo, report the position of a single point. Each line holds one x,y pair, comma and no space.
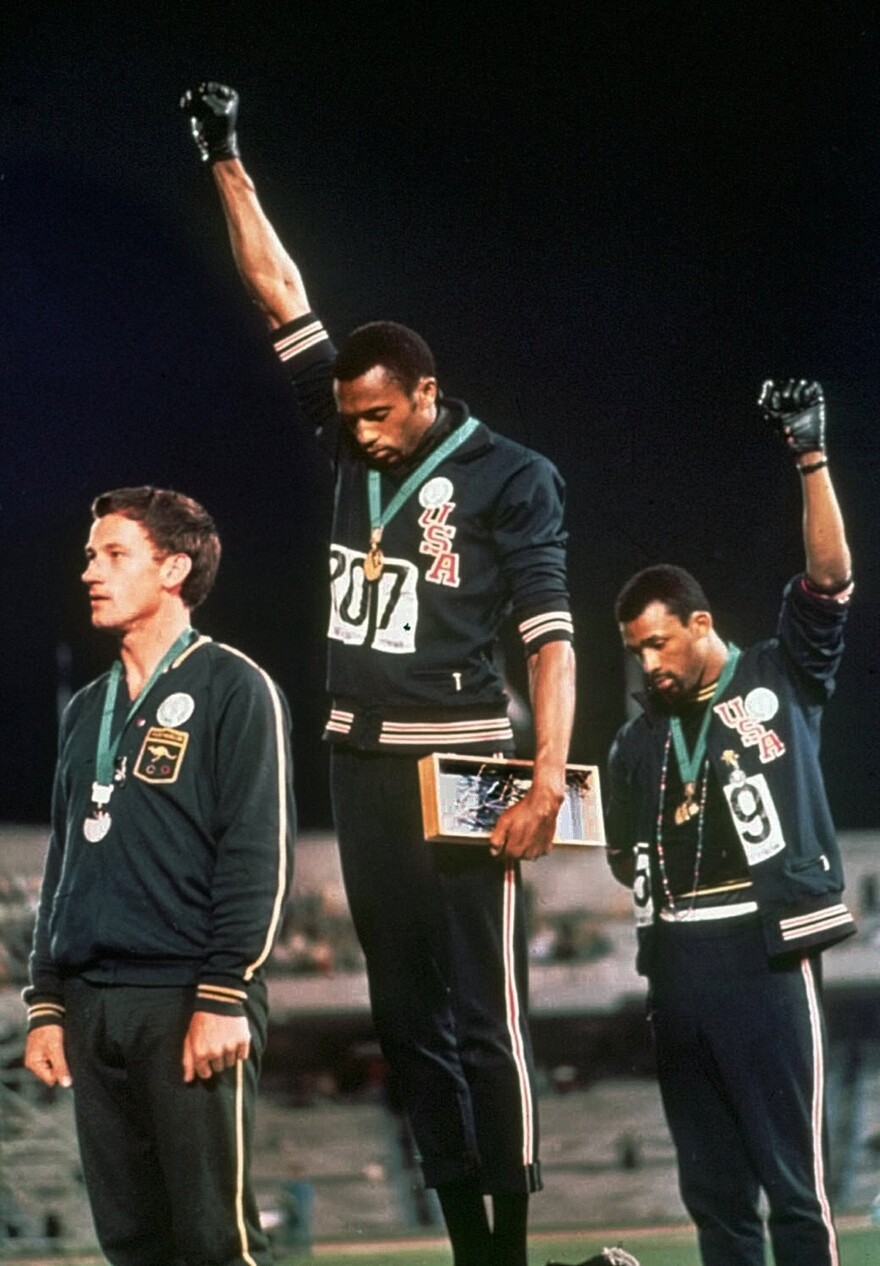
717,818
441,527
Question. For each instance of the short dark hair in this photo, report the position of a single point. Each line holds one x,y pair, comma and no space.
403,353
176,525
676,588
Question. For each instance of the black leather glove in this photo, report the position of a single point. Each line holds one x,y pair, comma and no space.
608,1257
213,111
796,408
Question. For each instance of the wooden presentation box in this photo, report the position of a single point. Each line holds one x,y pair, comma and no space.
463,797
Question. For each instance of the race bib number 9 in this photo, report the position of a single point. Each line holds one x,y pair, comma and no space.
382,614
755,817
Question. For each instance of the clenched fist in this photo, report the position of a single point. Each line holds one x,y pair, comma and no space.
796,408
213,112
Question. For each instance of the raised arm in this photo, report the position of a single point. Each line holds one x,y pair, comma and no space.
270,276
797,410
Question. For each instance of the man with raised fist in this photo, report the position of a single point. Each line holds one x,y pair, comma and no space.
441,529
717,818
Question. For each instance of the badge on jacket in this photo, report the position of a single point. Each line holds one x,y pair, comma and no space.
161,755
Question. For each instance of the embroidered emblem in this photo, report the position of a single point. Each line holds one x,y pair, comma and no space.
176,709
436,491
736,716
437,539
161,755
762,704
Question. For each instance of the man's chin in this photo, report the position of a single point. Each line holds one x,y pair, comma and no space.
669,697
383,460
104,622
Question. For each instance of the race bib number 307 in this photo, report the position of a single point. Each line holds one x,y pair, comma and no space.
382,614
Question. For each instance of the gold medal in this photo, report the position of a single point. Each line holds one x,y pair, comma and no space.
688,807
374,562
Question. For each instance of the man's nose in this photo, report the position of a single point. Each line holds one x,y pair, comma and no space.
650,661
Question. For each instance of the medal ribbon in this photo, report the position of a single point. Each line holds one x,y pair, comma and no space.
378,516
105,755
689,762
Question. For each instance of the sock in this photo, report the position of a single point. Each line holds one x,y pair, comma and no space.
465,1215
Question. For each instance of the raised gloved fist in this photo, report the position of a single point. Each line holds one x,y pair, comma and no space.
796,408
213,112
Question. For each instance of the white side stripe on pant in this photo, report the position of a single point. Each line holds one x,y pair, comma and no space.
515,1019
817,1110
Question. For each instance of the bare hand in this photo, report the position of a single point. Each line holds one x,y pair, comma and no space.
44,1055
526,830
214,1042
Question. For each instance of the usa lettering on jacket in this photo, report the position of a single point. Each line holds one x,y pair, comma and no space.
738,715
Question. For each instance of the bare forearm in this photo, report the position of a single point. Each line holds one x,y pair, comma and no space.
828,562
552,691
526,830
270,276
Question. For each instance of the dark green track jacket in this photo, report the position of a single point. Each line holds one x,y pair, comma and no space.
189,883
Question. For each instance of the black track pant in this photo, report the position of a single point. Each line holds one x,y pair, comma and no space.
165,1163
741,1062
444,937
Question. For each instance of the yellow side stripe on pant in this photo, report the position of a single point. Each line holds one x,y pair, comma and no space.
239,1164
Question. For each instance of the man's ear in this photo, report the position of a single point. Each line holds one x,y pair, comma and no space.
175,569
427,390
701,623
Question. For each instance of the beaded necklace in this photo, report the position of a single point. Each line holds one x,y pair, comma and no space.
690,766
658,839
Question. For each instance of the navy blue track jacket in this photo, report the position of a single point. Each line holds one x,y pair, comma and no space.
763,745
410,657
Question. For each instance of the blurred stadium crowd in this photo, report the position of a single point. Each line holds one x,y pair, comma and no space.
316,936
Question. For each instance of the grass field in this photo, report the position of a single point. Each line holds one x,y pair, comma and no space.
859,1246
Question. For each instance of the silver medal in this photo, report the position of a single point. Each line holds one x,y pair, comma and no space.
95,828
97,824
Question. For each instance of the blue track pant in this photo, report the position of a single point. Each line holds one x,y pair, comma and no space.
741,1060
444,936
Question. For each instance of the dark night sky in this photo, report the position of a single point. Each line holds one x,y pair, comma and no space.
611,221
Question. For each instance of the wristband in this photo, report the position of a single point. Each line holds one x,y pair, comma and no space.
827,591
814,466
